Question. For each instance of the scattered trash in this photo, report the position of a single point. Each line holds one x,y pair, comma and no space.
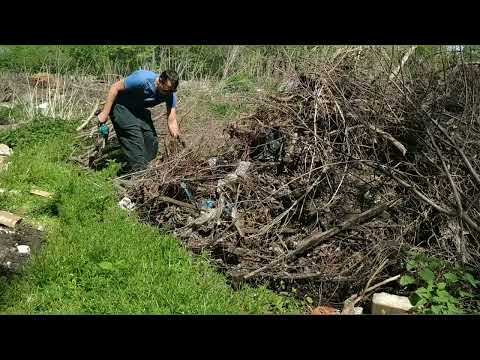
212,161
40,228
455,48
388,304
187,192
240,171
16,247
126,204
228,210
208,204
23,249
6,230
209,215
41,193
271,148
9,219
43,107
358,310
5,150
242,168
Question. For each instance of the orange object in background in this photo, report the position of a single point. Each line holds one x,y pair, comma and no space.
325,310
43,79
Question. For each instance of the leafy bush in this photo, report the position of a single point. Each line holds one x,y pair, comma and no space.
440,288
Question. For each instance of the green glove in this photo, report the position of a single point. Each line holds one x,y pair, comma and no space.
103,130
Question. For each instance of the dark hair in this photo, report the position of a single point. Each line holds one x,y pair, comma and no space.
172,76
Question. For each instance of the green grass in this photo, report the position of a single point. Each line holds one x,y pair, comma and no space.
99,259
10,115
225,110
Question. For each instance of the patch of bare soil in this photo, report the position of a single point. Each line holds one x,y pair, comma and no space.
11,259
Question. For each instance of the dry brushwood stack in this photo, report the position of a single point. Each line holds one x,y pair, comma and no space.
333,180
97,149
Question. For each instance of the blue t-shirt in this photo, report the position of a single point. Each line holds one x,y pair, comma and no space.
140,91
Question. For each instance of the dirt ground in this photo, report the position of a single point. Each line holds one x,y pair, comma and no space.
11,261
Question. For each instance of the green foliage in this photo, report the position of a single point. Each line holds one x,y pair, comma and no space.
439,287
98,258
223,110
38,130
11,115
239,83
192,62
32,58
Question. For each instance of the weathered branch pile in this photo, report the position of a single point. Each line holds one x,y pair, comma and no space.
333,180
97,150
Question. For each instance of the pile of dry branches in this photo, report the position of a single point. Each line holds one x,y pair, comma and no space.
333,180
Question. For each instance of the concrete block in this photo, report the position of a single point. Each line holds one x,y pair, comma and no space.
388,304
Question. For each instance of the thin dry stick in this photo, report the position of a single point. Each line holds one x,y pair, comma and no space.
404,60
461,248
453,144
92,114
387,136
354,299
176,202
430,202
449,176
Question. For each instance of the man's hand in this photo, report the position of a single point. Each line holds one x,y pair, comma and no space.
172,123
103,117
175,133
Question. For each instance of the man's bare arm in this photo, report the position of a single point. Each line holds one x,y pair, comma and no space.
172,122
111,97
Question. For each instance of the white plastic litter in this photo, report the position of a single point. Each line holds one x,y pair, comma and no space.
455,48
43,107
242,168
240,171
23,249
5,150
212,161
126,204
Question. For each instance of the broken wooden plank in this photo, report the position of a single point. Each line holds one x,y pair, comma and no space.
41,193
9,219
